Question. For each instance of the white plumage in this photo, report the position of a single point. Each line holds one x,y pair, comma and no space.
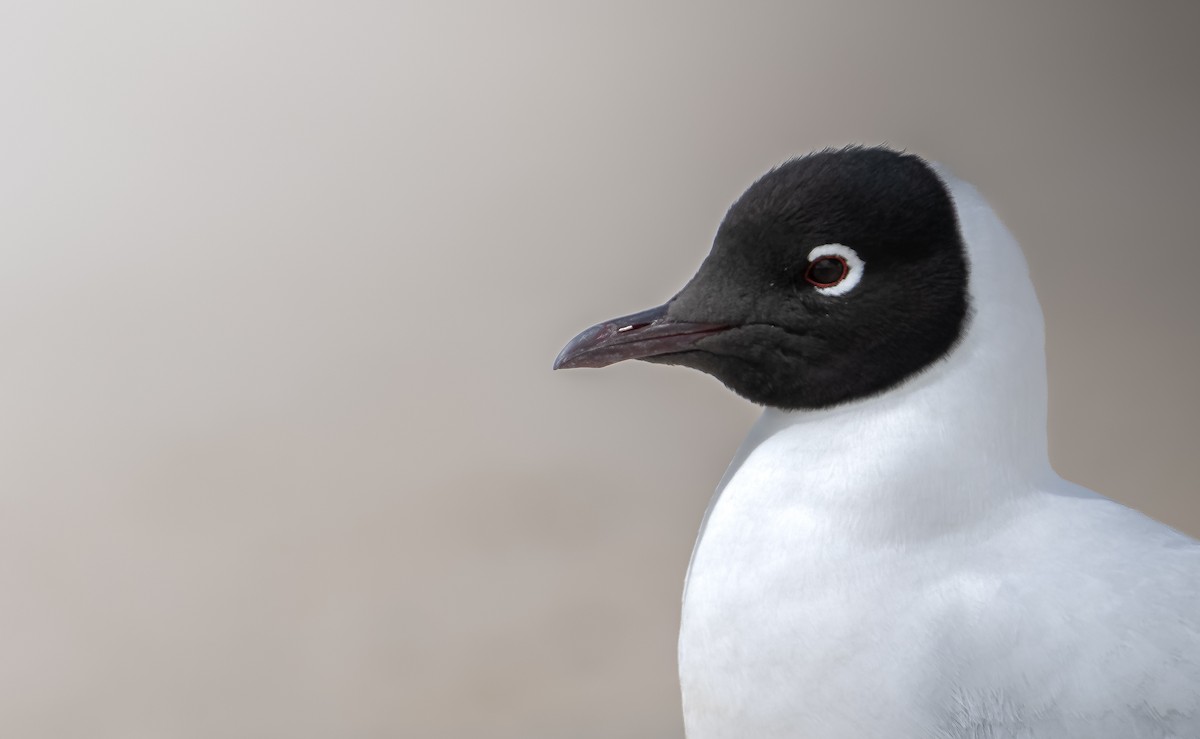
909,566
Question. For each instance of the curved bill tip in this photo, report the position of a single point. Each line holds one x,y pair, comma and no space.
646,334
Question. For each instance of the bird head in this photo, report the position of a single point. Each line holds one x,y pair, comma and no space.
836,276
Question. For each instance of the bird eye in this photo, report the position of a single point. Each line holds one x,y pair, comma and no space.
834,269
826,271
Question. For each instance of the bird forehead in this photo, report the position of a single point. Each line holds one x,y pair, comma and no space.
842,187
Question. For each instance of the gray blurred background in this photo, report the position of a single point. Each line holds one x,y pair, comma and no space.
281,454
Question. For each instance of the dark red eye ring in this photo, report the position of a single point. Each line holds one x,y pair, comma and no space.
823,264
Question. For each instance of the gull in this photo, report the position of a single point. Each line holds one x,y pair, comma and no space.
890,553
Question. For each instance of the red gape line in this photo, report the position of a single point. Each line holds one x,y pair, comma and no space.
808,272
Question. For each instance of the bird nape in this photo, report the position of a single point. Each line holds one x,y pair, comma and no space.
890,553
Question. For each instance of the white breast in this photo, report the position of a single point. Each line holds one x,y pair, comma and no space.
1069,617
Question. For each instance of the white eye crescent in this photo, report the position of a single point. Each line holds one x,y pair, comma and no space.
834,269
